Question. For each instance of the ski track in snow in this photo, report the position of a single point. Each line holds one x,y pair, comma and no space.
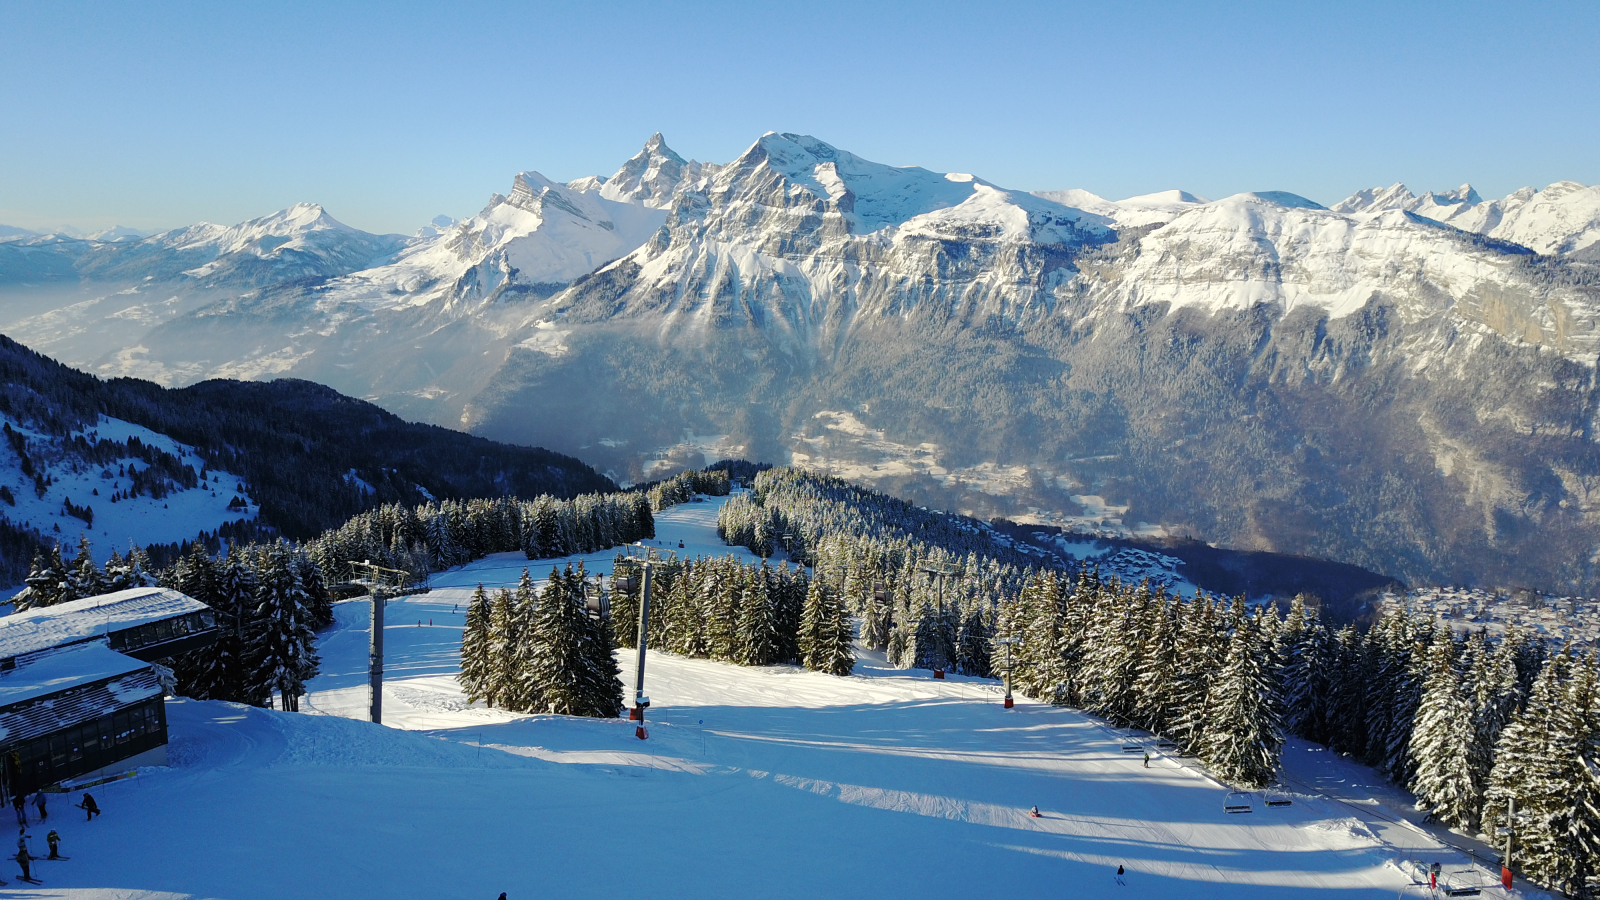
771,782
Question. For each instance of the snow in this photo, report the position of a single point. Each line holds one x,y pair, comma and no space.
80,620
141,520
547,232
69,667
1134,212
770,782
882,195
1562,218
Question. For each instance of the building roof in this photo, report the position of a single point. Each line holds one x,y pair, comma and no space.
89,618
58,689
44,674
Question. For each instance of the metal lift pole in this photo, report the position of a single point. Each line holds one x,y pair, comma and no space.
640,701
375,655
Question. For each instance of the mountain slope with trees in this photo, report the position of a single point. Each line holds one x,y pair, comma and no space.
311,458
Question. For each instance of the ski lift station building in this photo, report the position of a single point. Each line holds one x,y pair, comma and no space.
79,692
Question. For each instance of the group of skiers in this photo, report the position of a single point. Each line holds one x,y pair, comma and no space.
23,856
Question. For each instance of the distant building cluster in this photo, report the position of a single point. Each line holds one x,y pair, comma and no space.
1562,621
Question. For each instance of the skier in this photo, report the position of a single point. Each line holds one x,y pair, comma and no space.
20,804
1147,759
22,855
1034,812
54,841
89,806
1119,877
38,803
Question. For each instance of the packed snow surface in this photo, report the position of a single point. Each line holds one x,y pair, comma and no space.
772,782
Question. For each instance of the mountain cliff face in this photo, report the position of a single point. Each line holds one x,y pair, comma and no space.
1403,383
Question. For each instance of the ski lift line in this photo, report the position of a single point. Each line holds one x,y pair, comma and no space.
1471,852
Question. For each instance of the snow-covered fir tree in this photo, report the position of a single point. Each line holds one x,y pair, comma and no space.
1243,740
282,643
476,647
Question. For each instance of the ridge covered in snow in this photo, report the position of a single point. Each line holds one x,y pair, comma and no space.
1563,218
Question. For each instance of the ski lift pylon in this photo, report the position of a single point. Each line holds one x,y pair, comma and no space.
1238,802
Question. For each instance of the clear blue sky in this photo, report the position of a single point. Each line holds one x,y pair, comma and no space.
161,114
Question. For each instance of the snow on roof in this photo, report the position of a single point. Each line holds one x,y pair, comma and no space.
81,620
51,673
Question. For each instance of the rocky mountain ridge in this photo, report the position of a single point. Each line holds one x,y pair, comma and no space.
1370,382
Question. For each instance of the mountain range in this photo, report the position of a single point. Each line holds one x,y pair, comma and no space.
1401,382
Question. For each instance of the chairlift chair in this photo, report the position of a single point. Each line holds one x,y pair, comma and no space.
1238,802
1468,882
1277,800
1132,748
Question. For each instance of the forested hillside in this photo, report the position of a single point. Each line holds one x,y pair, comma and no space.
309,456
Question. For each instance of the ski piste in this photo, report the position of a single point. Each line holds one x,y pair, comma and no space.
800,772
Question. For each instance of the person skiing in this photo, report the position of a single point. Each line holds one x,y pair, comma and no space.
22,855
38,803
1147,759
20,804
1034,812
54,841
1119,877
89,806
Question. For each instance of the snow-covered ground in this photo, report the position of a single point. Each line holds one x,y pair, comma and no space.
142,520
771,782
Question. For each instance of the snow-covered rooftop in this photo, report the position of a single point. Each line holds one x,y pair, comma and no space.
69,667
80,620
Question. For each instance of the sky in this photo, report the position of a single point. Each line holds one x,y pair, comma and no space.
157,115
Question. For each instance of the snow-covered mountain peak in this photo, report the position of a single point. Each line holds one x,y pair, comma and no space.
1395,196
1172,198
1280,198
992,213
649,178
118,233
871,195
1134,212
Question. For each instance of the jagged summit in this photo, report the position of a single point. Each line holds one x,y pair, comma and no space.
650,177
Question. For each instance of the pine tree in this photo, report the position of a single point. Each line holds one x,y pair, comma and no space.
476,648
46,581
522,688
1441,740
973,647
236,593
1243,740
85,578
815,623
758,637
283,651
505,668
559,667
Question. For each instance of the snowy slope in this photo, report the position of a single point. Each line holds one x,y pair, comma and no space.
1134,212
770,782
140,520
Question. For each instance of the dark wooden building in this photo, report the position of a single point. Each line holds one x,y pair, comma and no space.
79,694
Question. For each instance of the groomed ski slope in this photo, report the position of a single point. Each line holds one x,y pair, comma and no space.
770,782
